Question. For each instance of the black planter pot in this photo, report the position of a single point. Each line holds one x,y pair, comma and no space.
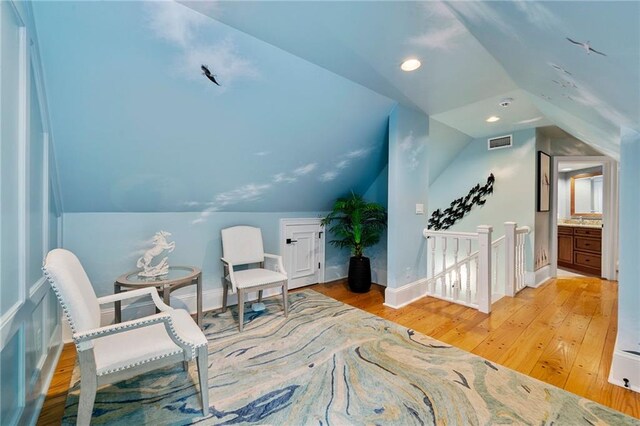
359,274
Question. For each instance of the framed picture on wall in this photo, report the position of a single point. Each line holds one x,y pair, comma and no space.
544,181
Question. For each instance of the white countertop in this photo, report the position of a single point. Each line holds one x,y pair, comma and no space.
581,225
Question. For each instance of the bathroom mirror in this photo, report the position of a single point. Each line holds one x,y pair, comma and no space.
586,195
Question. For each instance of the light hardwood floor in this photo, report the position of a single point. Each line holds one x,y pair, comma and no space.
562,333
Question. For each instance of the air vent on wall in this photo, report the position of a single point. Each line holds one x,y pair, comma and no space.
500,142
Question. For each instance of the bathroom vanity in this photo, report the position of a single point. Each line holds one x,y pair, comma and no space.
580,248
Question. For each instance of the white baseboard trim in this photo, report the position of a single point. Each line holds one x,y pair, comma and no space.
625,366
540,276
529,278
398,297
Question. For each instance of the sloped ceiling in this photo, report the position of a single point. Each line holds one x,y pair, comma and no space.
138,128
306,89
366,41
586,93
472,52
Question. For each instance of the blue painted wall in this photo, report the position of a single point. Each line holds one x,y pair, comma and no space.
629,289
108,244
445,144
514,197
28,223
378,192
139,129
408,184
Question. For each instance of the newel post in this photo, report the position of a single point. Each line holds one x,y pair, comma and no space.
484,268
510,258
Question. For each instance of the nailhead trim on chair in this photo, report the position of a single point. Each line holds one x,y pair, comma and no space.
65,309
124,367
97,333
123,326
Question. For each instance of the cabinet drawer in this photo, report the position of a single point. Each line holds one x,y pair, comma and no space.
588,232
587,244
586,259
565,230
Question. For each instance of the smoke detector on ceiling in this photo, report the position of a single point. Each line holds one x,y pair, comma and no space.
505,102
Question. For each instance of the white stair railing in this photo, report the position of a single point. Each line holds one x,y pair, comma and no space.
467,268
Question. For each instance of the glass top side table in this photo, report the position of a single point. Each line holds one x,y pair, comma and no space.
178,277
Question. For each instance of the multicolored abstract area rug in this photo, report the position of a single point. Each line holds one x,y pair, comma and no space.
331,364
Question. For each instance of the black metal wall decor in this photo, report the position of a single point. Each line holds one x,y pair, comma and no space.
441,220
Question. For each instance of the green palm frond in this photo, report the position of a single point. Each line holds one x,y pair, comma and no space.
355,223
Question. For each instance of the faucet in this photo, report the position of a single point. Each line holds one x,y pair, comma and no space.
581,220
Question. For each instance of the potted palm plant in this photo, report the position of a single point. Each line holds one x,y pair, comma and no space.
356,224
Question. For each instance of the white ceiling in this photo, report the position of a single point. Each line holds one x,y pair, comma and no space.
577,165
471,119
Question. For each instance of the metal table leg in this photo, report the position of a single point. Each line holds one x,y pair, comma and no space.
117,304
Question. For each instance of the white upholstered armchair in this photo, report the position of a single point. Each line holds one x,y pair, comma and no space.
117,352
242,245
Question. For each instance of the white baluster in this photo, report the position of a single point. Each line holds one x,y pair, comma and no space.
468,284
522,270
494,269
456,270
433,264
444,266
510,258
484,262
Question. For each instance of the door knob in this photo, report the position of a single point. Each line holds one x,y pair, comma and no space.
290,241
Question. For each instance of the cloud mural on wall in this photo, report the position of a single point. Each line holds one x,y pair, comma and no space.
538,14
203,152
343,163
295,174
482,14
182,27
411,148
444,30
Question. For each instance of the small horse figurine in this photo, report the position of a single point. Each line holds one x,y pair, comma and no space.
160,244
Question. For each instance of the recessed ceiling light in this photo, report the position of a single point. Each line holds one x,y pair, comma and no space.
505,102
493,119
410,65
566,169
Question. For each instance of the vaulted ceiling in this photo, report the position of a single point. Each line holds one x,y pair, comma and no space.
474,53
138,127
306,89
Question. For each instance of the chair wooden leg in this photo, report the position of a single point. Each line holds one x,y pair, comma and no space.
203,375
240,309
259,295
285,299
225,290
88,387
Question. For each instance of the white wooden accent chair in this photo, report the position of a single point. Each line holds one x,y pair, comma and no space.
117,352
242,245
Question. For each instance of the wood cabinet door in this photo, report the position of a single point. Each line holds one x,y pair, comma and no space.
565,248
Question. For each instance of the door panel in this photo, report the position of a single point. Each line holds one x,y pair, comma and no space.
565,248
301,253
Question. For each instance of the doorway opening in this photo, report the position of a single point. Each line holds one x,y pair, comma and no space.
584,217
